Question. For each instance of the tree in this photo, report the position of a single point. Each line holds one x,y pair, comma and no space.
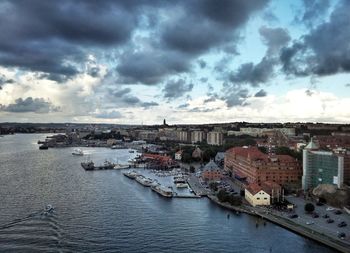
235,200
213,186
192,169
222,196
309,207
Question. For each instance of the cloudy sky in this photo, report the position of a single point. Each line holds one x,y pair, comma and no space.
189,61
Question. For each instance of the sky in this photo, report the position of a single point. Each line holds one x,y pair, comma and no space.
188,61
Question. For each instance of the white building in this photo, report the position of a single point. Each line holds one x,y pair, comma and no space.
256,196
214,138
197,136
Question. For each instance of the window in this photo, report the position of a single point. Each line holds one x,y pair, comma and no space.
265,198
258,198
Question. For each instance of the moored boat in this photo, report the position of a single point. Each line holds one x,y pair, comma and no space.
88,165
130,174
78,152
43,146
144,180
162,190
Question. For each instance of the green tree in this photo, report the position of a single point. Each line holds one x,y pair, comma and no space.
213,186
309,207
192,169
222,196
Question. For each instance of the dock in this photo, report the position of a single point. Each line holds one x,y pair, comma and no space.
196,186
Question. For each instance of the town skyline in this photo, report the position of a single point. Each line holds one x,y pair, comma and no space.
191,62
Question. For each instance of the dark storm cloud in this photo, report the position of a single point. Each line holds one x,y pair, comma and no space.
4,80
150,67
109,115
274,38
50,36
175,89
202,64
131,100
260,93
124,98
254,74
201,25
121,93
147,105
314,10
324,50
234,94
36,105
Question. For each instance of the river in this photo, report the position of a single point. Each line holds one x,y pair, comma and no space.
103,211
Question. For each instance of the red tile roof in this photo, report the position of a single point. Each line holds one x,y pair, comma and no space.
253,152
253,188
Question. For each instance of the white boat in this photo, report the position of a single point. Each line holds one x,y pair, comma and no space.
131,174
162,190
78,152
119,166
48,209
181,185
144,181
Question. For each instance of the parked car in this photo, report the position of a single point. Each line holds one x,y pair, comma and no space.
319,204
315,215
330,209
309,222
337,212
342,224
330,221
293,216
325,216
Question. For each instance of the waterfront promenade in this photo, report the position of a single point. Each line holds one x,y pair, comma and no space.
313,233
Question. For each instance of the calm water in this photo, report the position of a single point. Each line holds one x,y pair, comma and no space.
103,211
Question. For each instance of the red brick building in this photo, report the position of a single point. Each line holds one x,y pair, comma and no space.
212,172
253,166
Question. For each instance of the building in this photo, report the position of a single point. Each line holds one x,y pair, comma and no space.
183,136
256,196
197,136
250,165
323,167
262,195
178,155
211,172
214,138
219,158
197,153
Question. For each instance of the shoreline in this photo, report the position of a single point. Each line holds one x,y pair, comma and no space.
311,234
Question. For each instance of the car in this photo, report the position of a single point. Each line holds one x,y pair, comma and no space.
342,235
337,212
342,224
309,222
315,215
330,209
325,216
330,221
293,216
319,204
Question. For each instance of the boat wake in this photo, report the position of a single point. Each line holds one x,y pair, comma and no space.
38,231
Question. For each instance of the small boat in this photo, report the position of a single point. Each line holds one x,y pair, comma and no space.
181,185
162,190
131,174
88,165
144,181
131,151
43,146
119,166
48,209
77,152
